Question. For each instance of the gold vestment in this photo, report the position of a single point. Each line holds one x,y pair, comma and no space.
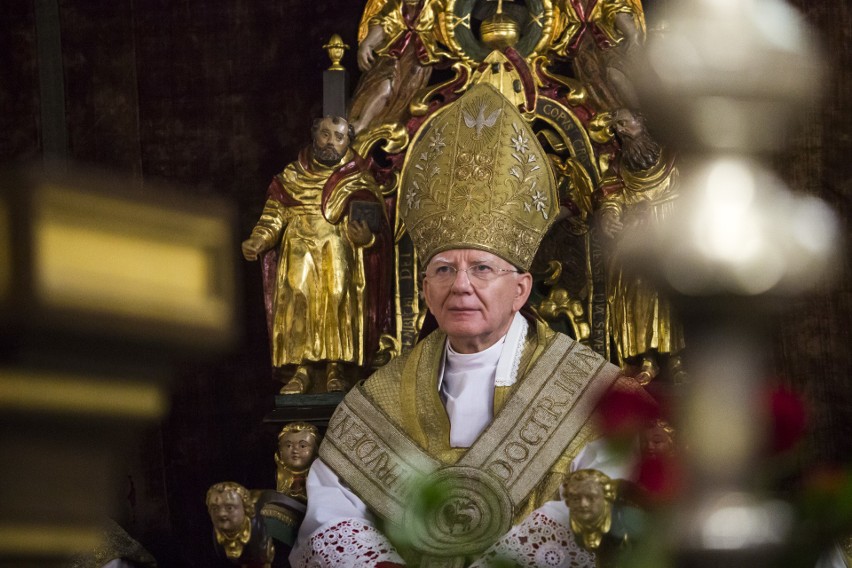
406,392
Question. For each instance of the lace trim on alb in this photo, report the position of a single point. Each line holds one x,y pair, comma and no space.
538,542
347,544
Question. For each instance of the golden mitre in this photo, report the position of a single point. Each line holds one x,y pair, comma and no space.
476,177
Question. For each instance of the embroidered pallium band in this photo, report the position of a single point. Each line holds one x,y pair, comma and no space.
542,416
386,462
478,494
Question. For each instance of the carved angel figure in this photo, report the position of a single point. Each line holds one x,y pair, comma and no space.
398,47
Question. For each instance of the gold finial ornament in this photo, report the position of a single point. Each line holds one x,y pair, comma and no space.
336,49
476,177
499,31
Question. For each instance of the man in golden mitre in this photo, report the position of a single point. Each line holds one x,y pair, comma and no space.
321,314
457,449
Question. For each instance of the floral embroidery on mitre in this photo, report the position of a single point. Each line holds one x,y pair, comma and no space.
476,177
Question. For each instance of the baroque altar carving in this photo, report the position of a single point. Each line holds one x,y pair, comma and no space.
565,65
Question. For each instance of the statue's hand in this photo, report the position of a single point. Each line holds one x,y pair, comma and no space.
359,233
367,48
252,247
611,225
366,57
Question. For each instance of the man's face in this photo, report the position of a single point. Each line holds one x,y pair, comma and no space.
474,313
296,449
227,512
331,140
586,500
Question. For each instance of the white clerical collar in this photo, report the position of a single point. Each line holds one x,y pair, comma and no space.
508,354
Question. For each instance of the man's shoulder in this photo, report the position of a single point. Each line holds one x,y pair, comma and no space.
390,373
385,385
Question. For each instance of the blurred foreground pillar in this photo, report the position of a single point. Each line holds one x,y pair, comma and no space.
102,290
726,83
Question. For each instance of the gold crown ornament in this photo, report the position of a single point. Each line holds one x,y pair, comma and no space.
475,177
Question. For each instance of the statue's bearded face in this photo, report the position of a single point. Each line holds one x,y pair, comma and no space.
330,140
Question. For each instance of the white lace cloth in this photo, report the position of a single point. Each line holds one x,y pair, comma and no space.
542,540
347,544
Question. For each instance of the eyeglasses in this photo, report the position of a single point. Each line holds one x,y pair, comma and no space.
445,274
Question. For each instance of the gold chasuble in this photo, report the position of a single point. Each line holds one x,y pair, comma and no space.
390,441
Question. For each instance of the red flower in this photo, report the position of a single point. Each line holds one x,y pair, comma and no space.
624,413
661,477
788,418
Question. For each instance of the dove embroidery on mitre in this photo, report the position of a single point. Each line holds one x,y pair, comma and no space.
481,121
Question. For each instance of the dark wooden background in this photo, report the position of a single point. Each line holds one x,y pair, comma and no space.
218,95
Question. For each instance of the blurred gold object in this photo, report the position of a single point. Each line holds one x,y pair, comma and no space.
477,177
47,540
103,287
79,395
724,83
98,255
336,49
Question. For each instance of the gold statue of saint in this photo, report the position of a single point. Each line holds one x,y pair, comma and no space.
317,297
297,448
642,324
